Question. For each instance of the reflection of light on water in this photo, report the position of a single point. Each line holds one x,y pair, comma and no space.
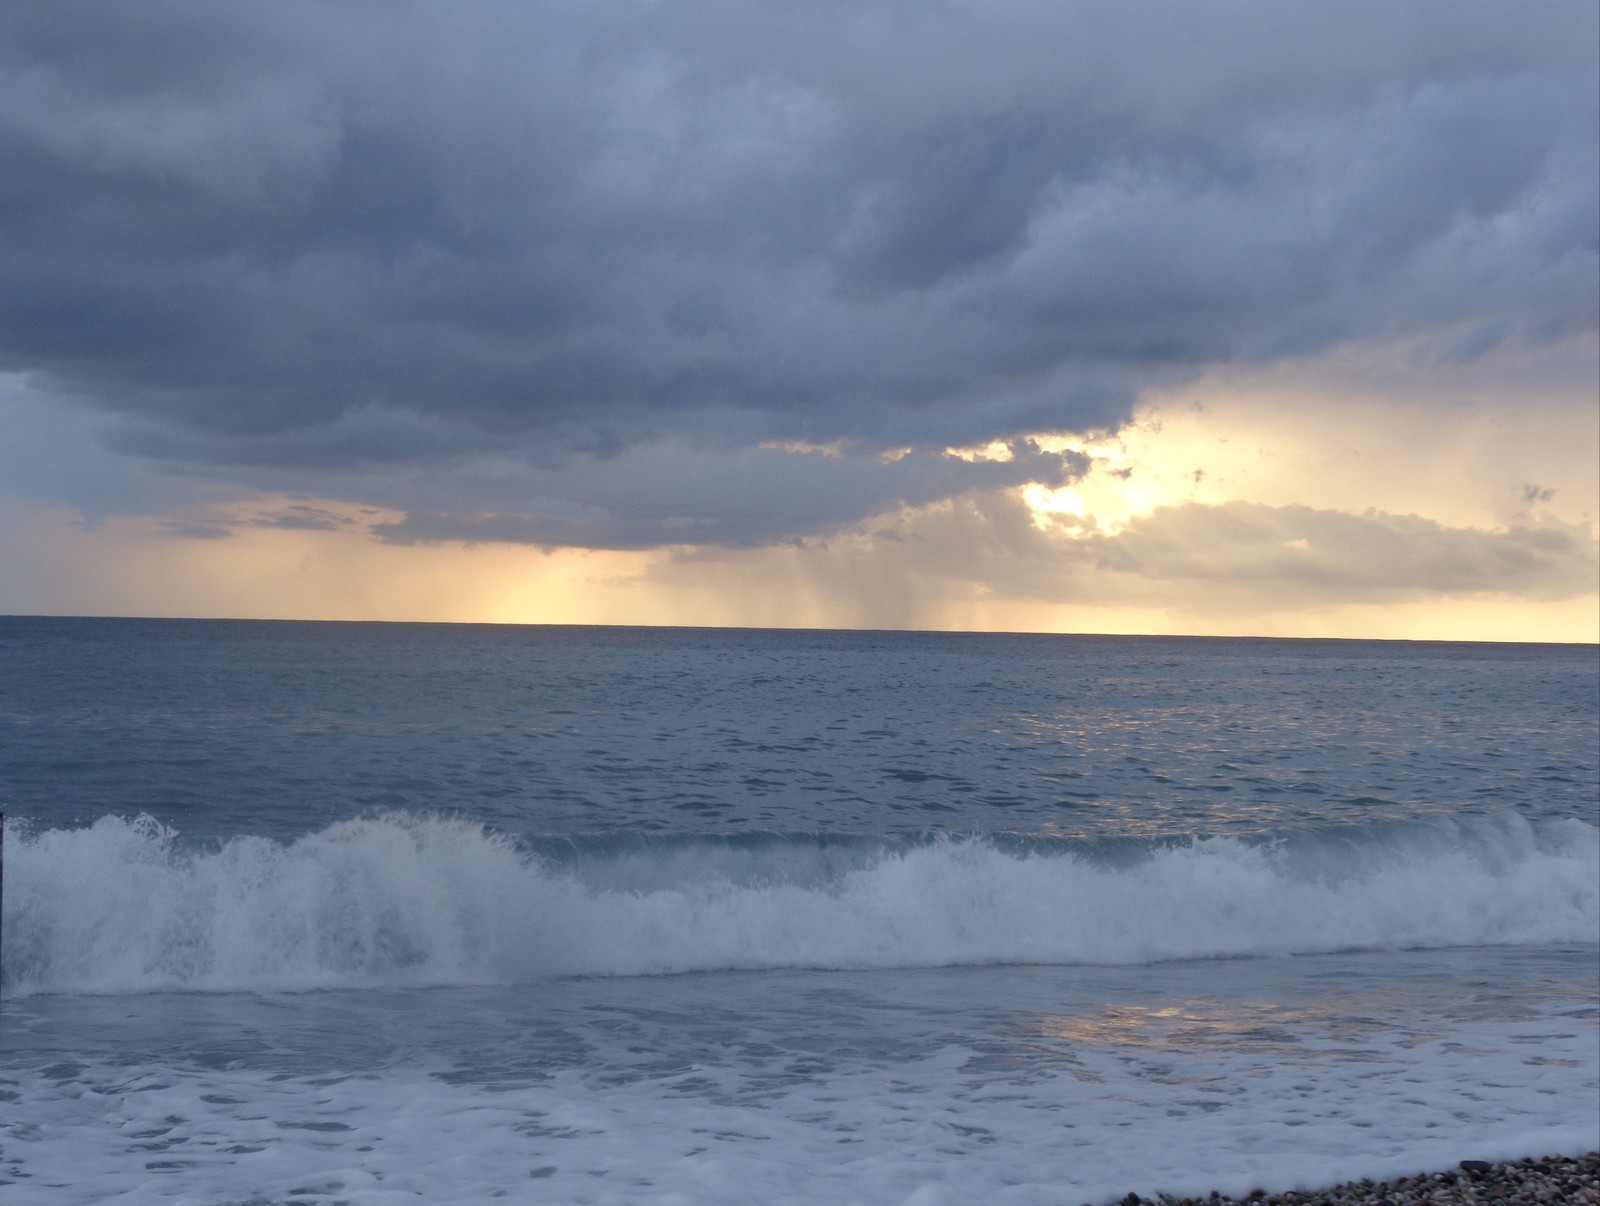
1205,1024
1144,771
1197,1045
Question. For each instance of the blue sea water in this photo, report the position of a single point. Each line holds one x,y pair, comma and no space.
397,913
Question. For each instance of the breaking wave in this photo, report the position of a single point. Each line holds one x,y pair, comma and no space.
403,900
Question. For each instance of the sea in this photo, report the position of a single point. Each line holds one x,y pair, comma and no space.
400,913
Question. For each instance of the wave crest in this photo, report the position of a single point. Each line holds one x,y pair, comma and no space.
402,900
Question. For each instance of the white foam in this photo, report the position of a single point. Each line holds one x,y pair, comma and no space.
401,900
939,1129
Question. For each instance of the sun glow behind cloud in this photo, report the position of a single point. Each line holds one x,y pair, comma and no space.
1111,494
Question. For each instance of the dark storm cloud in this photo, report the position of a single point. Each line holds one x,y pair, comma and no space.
352,236
673,496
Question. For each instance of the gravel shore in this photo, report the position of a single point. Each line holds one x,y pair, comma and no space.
1541,1180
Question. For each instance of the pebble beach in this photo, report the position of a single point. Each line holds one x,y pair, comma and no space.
1545,1180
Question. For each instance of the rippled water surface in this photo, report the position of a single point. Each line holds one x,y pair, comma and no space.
222,727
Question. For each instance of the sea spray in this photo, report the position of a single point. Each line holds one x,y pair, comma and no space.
404,900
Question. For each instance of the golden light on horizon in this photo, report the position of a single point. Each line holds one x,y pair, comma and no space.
128,567
1322,438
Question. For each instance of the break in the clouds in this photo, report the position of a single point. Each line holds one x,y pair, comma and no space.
630,275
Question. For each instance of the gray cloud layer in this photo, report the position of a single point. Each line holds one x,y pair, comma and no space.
672,496
1231,559
334,237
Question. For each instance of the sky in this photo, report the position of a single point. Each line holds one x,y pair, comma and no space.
1210,317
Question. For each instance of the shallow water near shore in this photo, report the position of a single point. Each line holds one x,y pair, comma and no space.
371,914
1002,1083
